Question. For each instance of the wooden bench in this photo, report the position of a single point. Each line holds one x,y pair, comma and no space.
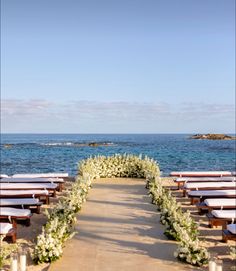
59,181
54,175
51,187
22,203
201,195
182,180
15,215
229,233
42,195
218,203
200,173
208,186
8,230
221,218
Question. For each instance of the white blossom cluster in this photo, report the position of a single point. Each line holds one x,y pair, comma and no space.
59,227
48,248
62,217
180,225
5,251
118,165
190,251
233,252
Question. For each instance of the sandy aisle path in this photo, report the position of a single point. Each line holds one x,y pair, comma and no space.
118,229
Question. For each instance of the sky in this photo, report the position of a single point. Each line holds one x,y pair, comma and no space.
127,66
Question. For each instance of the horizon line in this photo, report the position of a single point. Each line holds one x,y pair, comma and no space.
162,133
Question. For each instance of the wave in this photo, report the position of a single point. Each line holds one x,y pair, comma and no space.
58,144
222,148
78,144
10,145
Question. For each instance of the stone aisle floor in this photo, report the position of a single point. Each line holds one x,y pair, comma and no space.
119,230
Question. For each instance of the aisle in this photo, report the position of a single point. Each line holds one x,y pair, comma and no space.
118,230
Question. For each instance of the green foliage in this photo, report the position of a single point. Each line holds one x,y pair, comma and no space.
5,251
59,227
125,165
179,225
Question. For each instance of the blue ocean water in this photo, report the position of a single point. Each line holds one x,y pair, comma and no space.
32,153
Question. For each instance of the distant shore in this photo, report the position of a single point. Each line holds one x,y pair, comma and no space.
213,137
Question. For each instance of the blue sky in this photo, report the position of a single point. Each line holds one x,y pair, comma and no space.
127,66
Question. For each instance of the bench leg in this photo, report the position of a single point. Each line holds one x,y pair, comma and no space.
224,238
224,225
27,222
14,223
38,209
14,236
60,187
200,211
178,186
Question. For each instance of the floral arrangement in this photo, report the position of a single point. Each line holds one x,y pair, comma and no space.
118,165
5,251
59,228
180,225
61,219
191,252
232,251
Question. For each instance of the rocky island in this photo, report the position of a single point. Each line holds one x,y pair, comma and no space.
213,137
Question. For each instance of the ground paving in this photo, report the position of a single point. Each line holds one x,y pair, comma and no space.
119,230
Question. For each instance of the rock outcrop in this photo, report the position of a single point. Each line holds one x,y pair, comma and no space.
99,144
213,137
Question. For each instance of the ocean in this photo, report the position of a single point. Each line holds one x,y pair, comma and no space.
35,153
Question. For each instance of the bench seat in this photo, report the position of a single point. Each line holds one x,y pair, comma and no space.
221,218
24,203
218,203
42,175
229,233
208,186
42,195
59,181
15,214
182,180
30,186
200,173
8,230
201,195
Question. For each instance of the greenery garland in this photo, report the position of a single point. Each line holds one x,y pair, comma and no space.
180,226
61,219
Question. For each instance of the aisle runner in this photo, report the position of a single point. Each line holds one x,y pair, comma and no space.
118,230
